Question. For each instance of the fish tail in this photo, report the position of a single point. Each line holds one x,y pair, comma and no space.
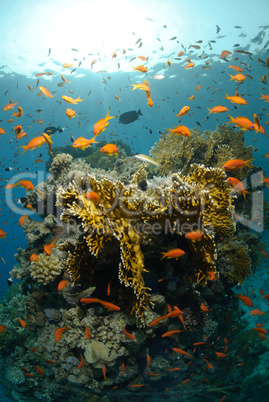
210,110
247,163
244,192
24,148
232,119
226,96
109,117
232,77
164,255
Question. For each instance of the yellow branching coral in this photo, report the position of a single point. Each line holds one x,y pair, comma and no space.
202,198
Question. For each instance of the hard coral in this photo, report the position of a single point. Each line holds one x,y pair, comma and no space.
210,148
46,269
98,354
201,198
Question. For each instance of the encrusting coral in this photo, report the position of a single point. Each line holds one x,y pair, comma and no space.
203,197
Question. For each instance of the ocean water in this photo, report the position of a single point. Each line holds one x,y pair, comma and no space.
102,42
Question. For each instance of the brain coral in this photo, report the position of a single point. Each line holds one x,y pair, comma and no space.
46,268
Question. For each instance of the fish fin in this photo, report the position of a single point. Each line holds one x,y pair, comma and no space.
139,112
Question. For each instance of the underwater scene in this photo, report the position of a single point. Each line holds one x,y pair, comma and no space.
134,201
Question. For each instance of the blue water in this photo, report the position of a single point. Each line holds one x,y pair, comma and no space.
18,70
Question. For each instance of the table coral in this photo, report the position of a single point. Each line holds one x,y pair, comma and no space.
202,197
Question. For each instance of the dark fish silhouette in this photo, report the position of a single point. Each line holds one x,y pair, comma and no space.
52,130
129,117
143,185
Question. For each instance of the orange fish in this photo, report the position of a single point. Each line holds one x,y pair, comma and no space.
221,355
101,124
33,143
236,68
108,305
148,361
141,68
237,77
236,99
92,196
110,149
45,92
108,288
157,320
238,186
83,143
59,333
198,87
195,235
68,99
81,361
265,97
70,113
27,184
2,328
104,372
144,86
180,130
17,129
9,106
2,131
243,122
183,111
127,334
174,253
49,247
208,364
22,322
19,113
64,80
204,308
87,332
150,101
264,180
21,135
234,164
2,234
189,65
170,333
218,109
34,257
62,284
22,220
137,385
182,352
224,53
122,368
65,65
257,312
116,97
39,370
245,300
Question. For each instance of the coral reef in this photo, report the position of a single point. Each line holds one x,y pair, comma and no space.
202,197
